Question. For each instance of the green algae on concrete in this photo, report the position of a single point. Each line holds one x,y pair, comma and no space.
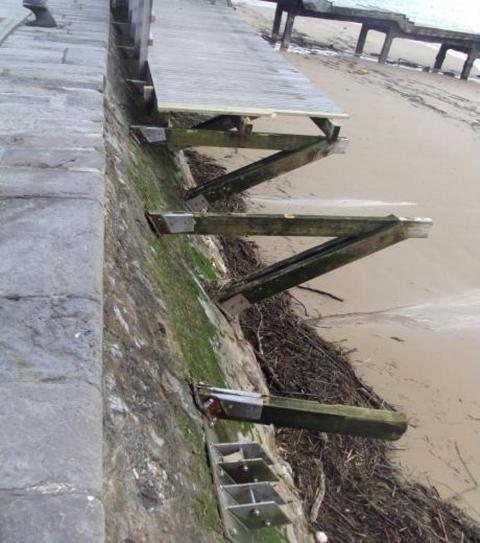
179,269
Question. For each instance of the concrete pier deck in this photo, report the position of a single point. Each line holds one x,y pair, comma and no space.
394,25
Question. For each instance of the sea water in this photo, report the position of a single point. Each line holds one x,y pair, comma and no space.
459,15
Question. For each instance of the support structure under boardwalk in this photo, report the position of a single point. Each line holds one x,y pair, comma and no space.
237,405
295,150
226,71
354,238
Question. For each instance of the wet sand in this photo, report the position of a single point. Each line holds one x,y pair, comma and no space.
411,313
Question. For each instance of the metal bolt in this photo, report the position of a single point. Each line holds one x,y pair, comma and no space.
256,513
267,523
233,531
245,468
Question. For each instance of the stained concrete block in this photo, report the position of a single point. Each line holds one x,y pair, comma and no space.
39,126
51,247
82,103
60,159
50,338
51,437
50,519
48,183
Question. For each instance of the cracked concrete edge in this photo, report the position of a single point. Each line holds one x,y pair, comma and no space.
51,299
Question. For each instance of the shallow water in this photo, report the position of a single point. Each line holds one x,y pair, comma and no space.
459,312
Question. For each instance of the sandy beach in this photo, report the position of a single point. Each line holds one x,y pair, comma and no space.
411,314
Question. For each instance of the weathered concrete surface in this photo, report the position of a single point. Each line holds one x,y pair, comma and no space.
50,518
51,261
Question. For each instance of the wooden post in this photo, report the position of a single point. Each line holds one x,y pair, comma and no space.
440,58
252,224
258,172
330,128
362,38
387,44
287,34
277,22
467,67
305,266
297,413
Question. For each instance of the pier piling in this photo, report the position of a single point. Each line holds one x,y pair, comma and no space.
362,38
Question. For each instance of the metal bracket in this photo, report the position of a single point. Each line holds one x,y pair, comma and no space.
244,484
173,223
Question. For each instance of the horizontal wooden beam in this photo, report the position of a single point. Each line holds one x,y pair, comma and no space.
249,176
193,137
305,266
252,224
297,413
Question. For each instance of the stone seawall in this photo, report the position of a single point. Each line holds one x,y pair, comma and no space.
51,260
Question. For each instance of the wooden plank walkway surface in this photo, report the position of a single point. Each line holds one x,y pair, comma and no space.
205,58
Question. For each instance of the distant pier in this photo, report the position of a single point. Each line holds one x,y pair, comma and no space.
393,25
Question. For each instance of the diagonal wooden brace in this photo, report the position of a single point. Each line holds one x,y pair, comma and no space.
263,170
305,266
254,224
297,413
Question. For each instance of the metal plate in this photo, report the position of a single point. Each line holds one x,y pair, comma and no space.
259,515
249,450
253,493
246,471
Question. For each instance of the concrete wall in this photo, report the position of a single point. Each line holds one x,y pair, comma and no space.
51,259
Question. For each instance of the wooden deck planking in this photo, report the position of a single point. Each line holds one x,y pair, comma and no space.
204,58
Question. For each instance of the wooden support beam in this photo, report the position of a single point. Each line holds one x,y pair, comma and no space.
440,58
277,22
287,34
193,137
472,55
305,266
330,128
249,176
362,38
296,413
251,224
387,44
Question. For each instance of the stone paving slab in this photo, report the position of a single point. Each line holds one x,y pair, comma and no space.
59,421
50,338
51,274
51,519
54,247
51,184
69,159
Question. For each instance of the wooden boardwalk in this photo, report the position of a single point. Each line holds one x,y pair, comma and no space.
205,59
